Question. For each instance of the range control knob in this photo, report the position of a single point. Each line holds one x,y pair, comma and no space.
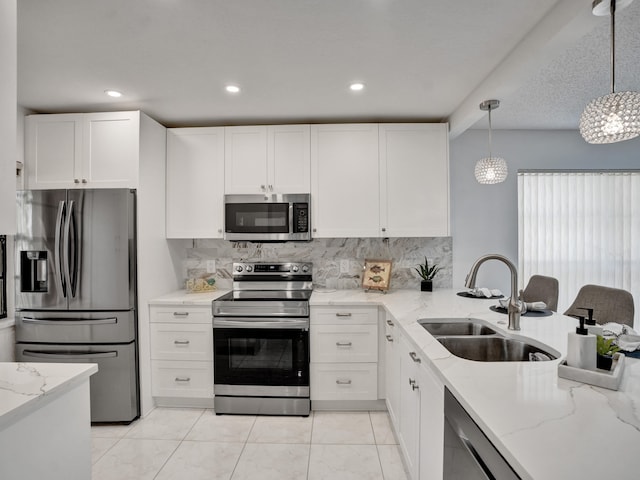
249,268
305,268
238,268
295,268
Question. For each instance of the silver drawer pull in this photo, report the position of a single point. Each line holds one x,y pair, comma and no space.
343,382
415,386
390,323
412,381
344,344
339,314
183,379
181,342
415,357
389,338
180,314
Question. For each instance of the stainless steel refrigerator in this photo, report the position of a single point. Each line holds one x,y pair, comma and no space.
76,290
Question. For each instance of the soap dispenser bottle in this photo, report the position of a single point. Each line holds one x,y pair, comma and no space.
591,323
581,348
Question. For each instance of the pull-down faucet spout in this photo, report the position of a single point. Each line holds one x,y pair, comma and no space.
515,306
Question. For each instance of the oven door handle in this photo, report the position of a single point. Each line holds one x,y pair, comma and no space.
282,323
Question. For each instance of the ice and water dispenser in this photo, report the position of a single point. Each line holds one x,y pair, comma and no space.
33,271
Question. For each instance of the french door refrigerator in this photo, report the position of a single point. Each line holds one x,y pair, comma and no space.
76,290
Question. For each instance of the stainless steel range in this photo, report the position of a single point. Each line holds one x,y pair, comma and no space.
261,340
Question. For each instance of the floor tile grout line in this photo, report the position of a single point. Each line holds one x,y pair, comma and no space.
244,446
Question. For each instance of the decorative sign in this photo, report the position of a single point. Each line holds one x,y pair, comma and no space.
377,274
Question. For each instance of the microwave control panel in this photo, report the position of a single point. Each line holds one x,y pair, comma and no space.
300,217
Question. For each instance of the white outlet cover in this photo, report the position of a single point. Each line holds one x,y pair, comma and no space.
344,266
211,266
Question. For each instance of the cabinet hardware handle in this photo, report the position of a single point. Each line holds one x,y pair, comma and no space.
389,338
263,188
183,379
219,230
412,381
343,314
84,180
343,382
384,229
415,387
75,180
180,314
415,357
181,342
390,323
271,188
343,344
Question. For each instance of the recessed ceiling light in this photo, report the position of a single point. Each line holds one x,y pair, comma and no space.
356,87
113,93
232,88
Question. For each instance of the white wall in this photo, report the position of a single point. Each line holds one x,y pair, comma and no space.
485,217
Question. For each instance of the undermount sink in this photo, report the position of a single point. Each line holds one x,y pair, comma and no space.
493,349
456,326
475,339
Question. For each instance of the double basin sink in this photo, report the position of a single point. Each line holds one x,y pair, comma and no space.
475,339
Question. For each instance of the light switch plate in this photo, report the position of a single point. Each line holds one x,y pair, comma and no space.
211,266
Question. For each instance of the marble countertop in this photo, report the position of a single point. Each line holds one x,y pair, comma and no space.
25,387
182,297
545,426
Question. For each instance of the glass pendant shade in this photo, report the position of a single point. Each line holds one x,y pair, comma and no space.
611,118
491,170
614,117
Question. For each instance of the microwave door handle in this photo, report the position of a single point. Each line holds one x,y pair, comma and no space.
58,275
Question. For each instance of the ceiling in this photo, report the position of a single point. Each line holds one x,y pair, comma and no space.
420,60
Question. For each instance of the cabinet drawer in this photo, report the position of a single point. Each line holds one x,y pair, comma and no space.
179,313
181,341
182,379
353,315
344,381
344,343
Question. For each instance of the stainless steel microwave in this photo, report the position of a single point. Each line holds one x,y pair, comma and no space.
267,217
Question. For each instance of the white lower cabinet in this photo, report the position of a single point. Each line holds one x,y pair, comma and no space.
344,353
415,401
181,355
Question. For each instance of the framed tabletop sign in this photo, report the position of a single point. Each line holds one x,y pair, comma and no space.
377,274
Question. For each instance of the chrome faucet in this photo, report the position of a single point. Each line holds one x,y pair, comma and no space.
515,305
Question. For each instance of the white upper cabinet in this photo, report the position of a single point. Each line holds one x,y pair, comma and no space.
195,182
344,191
93,150
414,180
267,159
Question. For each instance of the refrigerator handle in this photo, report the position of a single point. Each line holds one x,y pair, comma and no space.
58,271
70,249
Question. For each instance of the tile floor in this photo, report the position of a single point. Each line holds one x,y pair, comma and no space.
194,444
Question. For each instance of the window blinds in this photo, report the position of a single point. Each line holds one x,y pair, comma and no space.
580,227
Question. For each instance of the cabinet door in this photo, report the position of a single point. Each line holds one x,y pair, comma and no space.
392,371
245,159
414,180
53,147
344,169
195,182
431,424
289,159
111,150
409,408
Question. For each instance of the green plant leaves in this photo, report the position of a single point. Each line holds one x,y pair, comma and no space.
427,272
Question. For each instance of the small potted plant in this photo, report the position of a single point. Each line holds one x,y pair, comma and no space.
605,350
427,273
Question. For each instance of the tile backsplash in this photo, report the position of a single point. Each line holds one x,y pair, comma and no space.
326,256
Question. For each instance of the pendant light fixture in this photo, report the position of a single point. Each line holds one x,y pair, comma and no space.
491,169
616,116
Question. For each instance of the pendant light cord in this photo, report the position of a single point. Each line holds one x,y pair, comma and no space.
490,155
612,10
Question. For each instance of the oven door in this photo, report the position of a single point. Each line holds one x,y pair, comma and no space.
261,357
